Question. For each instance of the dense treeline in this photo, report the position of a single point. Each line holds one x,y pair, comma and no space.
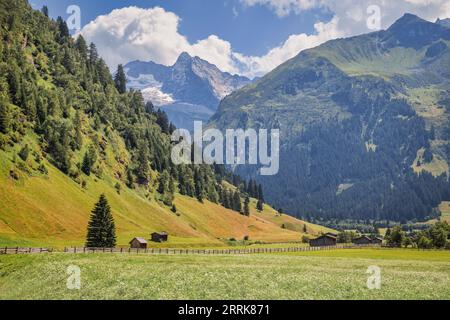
436,236
59,89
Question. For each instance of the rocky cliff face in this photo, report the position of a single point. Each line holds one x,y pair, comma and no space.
189,90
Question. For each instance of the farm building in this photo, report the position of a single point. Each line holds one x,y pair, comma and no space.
160,236
324,241
138,243
362,240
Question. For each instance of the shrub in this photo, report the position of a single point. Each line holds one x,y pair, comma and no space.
118,187
24,152
43,169
305,239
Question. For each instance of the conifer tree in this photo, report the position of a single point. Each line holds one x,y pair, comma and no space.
101,229
44,10
5,117
260,205
225,199
86,165
24,152
93,54
237,206
78,135
163,182
163,121
247,207
120,80
143,170
81,46
63,30
260,193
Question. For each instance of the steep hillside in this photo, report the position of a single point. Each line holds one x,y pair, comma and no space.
364,124
189,90
53,210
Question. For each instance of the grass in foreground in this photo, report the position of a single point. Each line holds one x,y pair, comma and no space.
321,275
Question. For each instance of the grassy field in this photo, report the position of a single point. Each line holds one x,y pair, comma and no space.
406,274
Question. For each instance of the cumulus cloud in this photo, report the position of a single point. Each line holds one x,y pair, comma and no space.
137,34
153,34
289,49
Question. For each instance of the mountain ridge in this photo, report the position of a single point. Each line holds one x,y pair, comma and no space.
356,112
189,81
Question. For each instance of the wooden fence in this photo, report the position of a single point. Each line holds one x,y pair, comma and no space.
167,251
17,250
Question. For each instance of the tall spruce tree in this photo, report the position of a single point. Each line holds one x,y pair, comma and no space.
247,207
101,229
260,193
44,10
120,80
237,206
5,117
86,165
260,205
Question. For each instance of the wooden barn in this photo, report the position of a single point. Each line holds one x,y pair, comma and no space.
160,236
138,243
362,240
324,241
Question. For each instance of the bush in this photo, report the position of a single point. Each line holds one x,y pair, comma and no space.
305,239
14,175
3,141
43,169
424,243
24,152
118,187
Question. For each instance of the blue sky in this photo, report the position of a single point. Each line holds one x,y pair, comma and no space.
251,30
247,37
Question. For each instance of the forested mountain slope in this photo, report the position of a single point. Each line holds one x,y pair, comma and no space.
69,132
364,124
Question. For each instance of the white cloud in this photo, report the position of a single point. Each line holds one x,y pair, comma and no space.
152,34
290,48
352,14
133,33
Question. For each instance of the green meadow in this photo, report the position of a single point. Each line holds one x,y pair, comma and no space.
339,274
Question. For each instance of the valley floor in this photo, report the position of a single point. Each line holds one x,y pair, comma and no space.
338,274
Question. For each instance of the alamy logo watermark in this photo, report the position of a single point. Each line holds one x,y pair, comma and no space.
373,21
374,279
74,279
74,19
240,147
